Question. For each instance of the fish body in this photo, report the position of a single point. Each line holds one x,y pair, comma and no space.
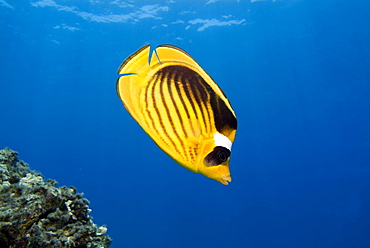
181,108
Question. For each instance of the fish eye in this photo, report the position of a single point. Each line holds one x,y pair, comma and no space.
222,156
218,156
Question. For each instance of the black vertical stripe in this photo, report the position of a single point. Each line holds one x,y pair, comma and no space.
197,90
171,79
163,81
179,85
204,96
157,112
175,83
187,90
146,101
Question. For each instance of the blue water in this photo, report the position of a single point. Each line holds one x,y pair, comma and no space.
297,73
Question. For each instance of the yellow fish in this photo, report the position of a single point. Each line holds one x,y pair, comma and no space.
181,108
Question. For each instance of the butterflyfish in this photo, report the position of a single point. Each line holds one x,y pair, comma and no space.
181,108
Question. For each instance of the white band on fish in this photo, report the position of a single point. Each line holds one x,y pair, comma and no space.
222,140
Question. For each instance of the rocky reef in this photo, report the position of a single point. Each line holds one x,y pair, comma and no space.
35,213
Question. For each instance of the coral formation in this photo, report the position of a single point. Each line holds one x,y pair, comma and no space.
34,213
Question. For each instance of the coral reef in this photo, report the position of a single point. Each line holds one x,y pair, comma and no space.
34,213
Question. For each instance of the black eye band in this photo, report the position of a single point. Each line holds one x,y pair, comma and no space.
219,155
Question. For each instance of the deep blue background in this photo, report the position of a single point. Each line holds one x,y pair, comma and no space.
296,72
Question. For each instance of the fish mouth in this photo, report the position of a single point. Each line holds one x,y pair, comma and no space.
225,180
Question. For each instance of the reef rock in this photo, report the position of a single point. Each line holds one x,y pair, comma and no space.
34,213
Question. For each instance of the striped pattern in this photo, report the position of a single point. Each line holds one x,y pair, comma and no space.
181,108
176,106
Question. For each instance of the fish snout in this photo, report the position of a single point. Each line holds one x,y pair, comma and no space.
225,180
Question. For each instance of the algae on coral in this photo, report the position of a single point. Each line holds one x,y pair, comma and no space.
34,213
